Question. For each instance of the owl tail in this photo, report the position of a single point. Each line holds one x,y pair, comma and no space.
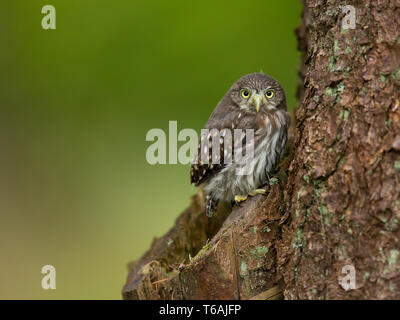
210,206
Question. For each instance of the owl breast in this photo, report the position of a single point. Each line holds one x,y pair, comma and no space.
252,173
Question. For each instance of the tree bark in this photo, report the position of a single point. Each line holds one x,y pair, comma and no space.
336,199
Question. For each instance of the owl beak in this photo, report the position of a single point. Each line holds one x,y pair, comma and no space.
257,101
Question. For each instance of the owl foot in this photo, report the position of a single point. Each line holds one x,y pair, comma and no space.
239,199
257,191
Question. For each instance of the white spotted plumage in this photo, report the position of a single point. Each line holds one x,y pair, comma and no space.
259,110
267,153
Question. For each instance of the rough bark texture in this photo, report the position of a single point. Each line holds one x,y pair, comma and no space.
344,204
336,198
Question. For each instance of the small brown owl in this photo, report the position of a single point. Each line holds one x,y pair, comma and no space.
250,123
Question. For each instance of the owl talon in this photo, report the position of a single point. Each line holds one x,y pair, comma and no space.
239,199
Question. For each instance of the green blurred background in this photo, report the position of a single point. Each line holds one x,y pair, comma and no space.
76,103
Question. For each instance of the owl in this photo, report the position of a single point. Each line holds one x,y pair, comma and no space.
250,123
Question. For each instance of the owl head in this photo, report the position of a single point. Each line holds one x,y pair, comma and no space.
258,92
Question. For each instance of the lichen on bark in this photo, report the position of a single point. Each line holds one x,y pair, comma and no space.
346,210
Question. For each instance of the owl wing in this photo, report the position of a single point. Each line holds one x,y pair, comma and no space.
200,170
224,120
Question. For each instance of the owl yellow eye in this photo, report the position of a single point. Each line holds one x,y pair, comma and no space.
269,94
245,93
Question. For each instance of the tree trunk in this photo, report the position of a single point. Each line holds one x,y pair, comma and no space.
336,200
